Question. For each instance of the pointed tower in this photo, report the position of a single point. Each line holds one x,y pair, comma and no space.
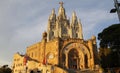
62,23
51,25
52,17
76,27
74,19
80,34
61,11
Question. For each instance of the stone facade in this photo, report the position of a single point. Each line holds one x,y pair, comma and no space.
63,46
18,64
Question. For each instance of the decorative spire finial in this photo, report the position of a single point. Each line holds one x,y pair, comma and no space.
74,14
61,3
53,11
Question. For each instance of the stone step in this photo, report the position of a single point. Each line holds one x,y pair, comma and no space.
82,71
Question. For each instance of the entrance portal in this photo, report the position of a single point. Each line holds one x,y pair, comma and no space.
73,59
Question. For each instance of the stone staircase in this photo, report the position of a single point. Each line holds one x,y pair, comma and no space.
82,71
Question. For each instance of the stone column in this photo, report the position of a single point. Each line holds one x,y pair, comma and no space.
83,62
66,60
78,63
90,44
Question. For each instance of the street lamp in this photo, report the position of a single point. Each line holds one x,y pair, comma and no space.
116,9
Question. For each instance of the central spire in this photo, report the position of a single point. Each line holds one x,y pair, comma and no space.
61,11
61,4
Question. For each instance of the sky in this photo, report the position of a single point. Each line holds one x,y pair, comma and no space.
22,22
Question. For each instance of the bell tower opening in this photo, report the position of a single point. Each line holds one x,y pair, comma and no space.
73,59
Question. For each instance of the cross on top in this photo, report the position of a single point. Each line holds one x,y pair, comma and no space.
61,3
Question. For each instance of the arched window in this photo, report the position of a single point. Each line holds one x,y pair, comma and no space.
76,35
52,33
64,30
86,61
73,59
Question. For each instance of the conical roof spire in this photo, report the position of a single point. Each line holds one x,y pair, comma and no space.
80,28
61,11
74,14
74,17
61,4
53,15
53,11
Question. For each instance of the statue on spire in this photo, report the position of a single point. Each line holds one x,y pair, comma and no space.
61,12
61,3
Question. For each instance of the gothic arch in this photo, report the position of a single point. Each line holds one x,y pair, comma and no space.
78,45
83,53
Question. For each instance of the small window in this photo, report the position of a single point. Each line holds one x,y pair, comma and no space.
36,54
86,61
52,33
76,35
32,54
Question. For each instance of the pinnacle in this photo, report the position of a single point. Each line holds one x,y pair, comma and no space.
61,4
53,11
74,14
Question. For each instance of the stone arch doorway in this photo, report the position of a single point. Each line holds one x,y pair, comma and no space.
78,51
73,59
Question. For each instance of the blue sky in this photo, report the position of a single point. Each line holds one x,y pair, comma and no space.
22,22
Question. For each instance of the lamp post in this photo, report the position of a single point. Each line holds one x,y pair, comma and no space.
116,9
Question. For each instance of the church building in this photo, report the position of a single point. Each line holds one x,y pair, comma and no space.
62,47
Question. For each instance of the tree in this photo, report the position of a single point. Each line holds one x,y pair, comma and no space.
105,57
5,69
110,39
